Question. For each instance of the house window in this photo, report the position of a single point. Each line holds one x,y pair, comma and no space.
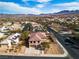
30,41
38,41
34,42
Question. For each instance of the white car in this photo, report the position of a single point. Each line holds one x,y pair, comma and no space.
65,32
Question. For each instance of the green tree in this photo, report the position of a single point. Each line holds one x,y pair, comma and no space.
24,35
27,27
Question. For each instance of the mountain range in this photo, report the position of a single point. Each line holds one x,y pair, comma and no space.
64,12
68,12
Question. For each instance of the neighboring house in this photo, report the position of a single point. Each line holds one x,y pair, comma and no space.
7,23
33,23
65,30
15,38
11,40
36,38
37,28
4,29
16,26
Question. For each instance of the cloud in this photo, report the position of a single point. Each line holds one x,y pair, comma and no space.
67,6
40,5
41,1
62,6
7,7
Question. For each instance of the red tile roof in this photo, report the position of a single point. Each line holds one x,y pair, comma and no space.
37,36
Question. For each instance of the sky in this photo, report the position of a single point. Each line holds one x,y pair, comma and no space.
37,6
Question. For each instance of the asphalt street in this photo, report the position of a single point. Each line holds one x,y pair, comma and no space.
74,53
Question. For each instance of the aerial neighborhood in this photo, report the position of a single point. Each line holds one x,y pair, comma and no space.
39,29
27,38
38,35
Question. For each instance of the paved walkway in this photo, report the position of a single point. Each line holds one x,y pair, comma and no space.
32,52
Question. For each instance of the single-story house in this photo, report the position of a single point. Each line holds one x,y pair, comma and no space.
36,38
4,29
11,40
